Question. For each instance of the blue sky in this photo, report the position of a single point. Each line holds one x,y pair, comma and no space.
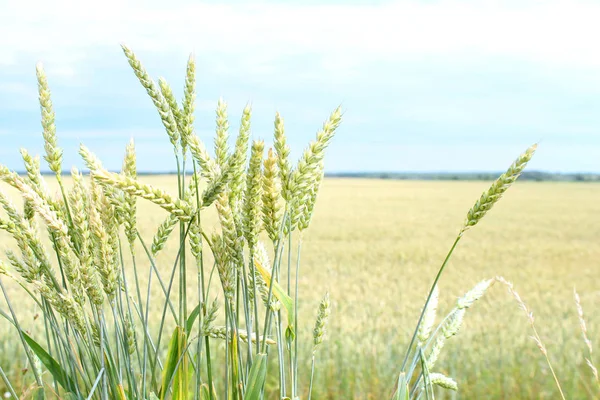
425,85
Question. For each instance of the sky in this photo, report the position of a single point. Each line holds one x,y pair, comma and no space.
424,85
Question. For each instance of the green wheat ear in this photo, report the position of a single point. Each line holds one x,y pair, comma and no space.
53,152
495,192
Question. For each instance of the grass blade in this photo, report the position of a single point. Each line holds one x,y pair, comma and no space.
256,378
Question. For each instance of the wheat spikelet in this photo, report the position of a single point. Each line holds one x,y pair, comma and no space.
162,234
308,164
53,152
253,196
453,321
261,257
220,332
130,336
159,101
216,186
222,254
221,148
443,381
28,211
474,294
271,196
178,207
107,214
104,251
4,269
8,226
129,169
302,178
211,315
429,317
208,167
495,192
25,235
233,242
320,330
238,160
89,275
169,97
236,169
62,239
77,200
34,176
307,210
195,238
65,304
189,98
283,153
22,267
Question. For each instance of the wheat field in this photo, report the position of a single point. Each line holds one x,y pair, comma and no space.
376,245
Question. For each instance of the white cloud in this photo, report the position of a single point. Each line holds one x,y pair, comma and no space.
65,32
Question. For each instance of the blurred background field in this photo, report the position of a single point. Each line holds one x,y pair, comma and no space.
376,245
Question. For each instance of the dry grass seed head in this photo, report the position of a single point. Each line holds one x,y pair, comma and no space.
584,333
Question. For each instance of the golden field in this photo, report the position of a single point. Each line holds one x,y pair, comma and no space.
376,246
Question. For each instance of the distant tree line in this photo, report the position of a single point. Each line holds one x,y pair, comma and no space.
539,176
469,176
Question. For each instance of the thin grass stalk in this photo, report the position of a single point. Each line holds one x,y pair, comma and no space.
38,379
280,356
276,262
312,375
427,382
128,342
48,342
182,269
249,328
146,323
226,380
129,313
202,297
168,294
95,385
102,352
435,282
155,269
536,336
11,390
252,270
296,326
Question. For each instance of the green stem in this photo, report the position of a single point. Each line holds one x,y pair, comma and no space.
296,317
38,379
8,385
435,281
312,374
